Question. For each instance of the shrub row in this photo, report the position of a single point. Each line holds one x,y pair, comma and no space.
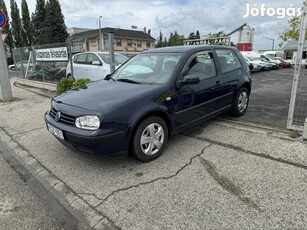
66,84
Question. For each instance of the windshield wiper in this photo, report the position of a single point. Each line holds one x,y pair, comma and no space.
128,81
108,77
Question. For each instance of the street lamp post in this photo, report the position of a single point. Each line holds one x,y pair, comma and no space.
273,41
100,40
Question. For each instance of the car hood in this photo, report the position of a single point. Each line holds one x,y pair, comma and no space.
103,95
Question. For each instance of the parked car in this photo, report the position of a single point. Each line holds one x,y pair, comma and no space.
257,65
272,64
153,95
250,65
93,65
258,62
270,59
19,65
284,63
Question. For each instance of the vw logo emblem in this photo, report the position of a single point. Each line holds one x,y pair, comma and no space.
57,116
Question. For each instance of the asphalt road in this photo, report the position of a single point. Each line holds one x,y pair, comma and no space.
221,175
270,98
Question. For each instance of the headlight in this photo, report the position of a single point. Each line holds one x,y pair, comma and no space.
88,122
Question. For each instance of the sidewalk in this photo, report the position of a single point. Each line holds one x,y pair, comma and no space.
222,175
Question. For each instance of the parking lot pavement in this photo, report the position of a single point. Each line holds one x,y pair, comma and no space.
270,98
221,175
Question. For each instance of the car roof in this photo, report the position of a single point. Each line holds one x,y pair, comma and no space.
185,49
95,52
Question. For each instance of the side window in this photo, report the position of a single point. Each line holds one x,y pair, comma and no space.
91,58
202,65
80,59
228,60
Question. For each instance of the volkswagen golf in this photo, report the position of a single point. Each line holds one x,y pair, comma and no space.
154,95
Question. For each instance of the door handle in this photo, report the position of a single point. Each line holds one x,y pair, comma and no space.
218,86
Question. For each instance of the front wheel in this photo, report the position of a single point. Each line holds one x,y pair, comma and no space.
241,103
150,139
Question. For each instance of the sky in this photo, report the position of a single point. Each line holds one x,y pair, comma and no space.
269,18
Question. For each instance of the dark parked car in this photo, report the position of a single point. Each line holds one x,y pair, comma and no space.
153,95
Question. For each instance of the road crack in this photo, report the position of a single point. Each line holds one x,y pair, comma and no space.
236,148
226,184
157,179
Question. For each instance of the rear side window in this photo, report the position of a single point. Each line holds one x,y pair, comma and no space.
80,59
228,60
91,58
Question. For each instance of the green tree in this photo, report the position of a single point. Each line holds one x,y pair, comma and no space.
192,36
26,23
7,28
160,40
175,39
217,34
197,36
292,32
38,22
165,42
55,27
16,25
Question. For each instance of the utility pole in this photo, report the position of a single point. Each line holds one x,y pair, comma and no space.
100,48
111,52
5,85
273,41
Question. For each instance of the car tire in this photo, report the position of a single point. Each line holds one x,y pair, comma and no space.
150,139
13,68
241,103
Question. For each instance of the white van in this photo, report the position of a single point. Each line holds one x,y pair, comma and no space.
93,65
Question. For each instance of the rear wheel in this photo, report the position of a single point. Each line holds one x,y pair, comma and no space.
150,139
241,103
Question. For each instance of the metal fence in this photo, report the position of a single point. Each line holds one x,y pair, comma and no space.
298,102
46,63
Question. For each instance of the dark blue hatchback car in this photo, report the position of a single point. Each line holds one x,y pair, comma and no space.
150,97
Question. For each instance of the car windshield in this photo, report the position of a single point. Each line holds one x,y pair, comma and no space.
254,58
119,59
154,68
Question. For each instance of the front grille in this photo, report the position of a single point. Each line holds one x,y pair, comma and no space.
65,118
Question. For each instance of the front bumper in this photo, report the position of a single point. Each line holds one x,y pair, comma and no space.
107,142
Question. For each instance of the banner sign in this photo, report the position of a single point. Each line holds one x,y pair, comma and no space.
52,54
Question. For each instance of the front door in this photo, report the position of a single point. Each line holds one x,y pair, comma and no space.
199,101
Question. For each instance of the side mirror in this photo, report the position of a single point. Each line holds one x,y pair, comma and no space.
96,63
190,80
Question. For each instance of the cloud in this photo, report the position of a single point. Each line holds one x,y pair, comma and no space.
184,16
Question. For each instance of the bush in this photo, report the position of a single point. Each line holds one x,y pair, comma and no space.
79,82
66,84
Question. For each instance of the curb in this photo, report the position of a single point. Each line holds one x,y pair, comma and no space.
89,218
36,84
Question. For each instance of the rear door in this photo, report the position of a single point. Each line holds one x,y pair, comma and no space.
230,71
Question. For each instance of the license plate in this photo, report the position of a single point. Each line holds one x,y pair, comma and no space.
55,131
